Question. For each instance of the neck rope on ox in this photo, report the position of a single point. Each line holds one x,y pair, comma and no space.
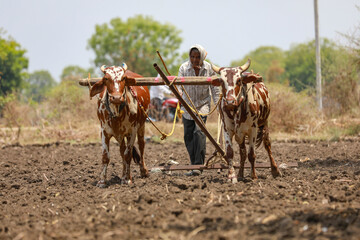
122,105
241,97
107,105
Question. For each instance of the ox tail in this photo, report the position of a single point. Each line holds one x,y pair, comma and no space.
260,135
136,155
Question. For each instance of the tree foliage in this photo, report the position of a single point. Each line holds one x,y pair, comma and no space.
263,59
38,85
340,82
135,42
12,64
66,98
300,64
73,73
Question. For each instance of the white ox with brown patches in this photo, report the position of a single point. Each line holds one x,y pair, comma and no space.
244,109
121,117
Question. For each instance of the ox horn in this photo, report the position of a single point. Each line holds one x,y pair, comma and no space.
246,65
102,68
215,68
124,66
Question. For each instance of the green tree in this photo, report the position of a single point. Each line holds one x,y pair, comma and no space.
12,64
38,85
340,82
300,63
274,72
264,58
135,42
338,73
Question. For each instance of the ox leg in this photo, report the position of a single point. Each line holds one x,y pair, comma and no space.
141,141
267,144
105,158
242,159
126,179
127,159
122,153
230,157
251,155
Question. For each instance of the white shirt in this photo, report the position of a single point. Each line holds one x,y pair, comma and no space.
200,95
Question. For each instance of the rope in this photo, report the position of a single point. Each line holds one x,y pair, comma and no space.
172,82
216,158
163,135
194,108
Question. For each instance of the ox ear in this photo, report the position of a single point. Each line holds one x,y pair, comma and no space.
251,77
216,82
98,87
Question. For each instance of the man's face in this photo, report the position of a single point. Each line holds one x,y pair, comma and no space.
195,58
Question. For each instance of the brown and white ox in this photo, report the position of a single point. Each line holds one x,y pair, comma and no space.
121,117
244,109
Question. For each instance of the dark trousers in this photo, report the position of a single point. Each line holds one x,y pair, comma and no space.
195,141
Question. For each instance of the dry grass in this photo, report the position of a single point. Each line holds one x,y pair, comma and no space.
332,129
70,116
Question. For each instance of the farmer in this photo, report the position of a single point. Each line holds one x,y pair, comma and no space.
195,139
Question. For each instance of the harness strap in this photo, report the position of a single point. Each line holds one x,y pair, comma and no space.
107,104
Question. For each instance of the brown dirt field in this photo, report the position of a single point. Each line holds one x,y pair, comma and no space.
49,192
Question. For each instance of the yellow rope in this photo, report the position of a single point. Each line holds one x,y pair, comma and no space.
163,135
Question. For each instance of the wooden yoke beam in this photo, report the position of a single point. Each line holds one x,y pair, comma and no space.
156,81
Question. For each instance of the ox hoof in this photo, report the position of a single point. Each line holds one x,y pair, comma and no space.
276,173
233,180
241,179
101,184
126,181
145,174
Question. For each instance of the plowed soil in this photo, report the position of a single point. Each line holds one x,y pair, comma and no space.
49,192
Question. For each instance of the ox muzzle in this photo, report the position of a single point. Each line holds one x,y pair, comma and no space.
117,98
232,103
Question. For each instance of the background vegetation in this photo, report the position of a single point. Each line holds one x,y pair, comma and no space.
36,108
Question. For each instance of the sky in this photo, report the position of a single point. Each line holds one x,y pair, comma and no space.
55,33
